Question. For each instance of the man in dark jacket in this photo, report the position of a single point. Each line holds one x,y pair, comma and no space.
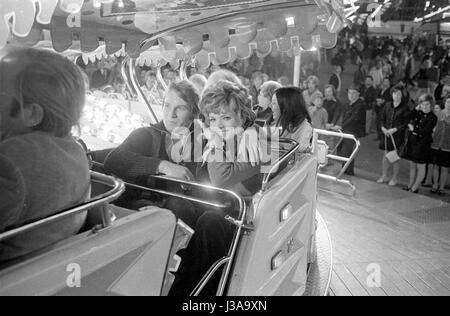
360,74
101,77
354,122
369,95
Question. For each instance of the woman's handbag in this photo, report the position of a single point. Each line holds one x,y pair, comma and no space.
392,156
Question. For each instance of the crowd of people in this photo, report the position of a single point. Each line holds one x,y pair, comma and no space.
404,88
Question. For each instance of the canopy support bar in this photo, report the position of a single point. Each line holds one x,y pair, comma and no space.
131,63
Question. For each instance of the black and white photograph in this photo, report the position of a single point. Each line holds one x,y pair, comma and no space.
224,155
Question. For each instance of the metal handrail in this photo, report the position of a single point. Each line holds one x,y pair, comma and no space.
339,158
239,199
293,150
240,224
183,67
207,277
346,160
180,196
125,76
160,78
118,187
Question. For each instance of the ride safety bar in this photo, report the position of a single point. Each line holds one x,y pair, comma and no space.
117,188
292,151
240,224
346,160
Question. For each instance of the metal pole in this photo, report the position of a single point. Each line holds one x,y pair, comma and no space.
297,69
134,81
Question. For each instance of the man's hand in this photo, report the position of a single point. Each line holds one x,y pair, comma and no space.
384,130
175,171
411,127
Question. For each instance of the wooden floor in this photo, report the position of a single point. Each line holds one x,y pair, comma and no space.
387,242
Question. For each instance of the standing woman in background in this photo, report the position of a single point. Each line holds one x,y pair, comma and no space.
441,150
394,121
421,126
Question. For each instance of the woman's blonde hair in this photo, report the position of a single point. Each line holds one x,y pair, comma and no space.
268,89
233,96
314,80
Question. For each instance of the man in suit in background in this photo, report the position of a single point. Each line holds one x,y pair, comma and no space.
101,77
335,78
369,95
354,122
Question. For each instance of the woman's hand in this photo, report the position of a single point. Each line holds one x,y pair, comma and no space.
250,147
175,171
411,127
214,137
392,131
384,130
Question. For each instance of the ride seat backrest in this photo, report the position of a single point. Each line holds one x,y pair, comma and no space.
272,260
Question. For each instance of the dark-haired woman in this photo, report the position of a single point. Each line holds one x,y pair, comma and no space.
394,121
291,115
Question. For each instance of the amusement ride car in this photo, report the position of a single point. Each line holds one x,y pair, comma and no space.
281,245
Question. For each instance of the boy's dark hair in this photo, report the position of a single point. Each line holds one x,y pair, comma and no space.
52,82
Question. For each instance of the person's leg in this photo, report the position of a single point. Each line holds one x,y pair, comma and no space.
421,170
396,172
210,243
386,166
436,175
183,210
444,177
346,150
368,121
428,179
412,174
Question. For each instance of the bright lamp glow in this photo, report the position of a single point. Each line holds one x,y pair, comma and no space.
286,213
290,21
277,261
